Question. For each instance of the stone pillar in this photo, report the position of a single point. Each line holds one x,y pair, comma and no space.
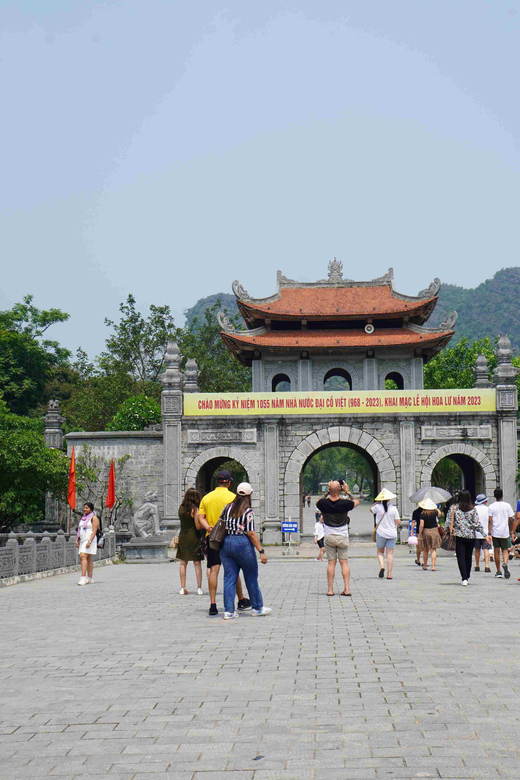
407,454
481,371
53,436
305,375
272,523
191,373
258,377
417,373
507,405
171,407
370,373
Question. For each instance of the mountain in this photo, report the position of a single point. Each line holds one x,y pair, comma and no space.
491,309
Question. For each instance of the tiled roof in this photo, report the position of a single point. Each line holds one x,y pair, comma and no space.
338,302
338,339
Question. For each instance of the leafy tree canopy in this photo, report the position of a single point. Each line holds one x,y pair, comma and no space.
338,463
135,414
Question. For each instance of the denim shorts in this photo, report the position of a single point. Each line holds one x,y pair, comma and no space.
381,542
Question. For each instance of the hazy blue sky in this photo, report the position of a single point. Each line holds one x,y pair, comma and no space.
166,148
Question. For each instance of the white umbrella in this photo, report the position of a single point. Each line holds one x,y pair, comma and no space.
436,494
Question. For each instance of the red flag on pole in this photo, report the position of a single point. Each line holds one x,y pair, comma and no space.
71,494
111,492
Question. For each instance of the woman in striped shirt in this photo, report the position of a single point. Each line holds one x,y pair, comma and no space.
238,552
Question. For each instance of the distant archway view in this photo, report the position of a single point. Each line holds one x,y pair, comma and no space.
207,476
456,472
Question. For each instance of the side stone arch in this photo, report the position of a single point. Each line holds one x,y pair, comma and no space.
459,448
323,370
272,369
335,434
230,453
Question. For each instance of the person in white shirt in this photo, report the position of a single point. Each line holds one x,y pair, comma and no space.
482,510
319,533
501,517
387,519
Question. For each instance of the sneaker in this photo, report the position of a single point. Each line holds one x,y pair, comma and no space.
200,592
183,592
230,615
90,580
477,568
261,612
213,609
507,573
487,570
498,575
82,580
243,604
464,583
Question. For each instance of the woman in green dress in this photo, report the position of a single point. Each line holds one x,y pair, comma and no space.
188,548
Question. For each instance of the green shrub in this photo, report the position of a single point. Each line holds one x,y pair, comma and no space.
135,414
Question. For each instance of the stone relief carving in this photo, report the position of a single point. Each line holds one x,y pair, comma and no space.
450,432
335,271
172,404
146,519
507,398
212,435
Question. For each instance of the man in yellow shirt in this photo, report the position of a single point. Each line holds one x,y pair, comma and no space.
210,510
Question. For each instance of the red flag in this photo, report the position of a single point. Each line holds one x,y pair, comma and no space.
71,494
111,492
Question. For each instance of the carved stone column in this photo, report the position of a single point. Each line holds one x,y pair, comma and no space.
507,405
370,373
258,377
417,373
171,407
53,436
304,375
272,524
407,452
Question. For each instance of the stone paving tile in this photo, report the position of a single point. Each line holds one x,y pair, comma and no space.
408,679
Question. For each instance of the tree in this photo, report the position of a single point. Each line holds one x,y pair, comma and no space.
453,367
138,345
92,482
28,469
135,414
220,371
26,358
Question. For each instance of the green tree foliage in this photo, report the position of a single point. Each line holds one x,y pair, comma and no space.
453,367
137,345
220,372
28,468
26,357
92,482
338,463
135,414
448,475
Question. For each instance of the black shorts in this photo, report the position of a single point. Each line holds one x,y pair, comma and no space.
321,543
212,557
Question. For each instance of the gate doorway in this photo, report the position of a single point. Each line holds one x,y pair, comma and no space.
459,472
207,475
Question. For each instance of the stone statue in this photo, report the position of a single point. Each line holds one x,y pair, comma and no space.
146,519
335,271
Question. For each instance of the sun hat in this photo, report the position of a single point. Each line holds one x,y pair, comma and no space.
480,499
244,489
428,504
385,495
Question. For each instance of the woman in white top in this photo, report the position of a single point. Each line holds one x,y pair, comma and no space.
387,520
319,534
86,542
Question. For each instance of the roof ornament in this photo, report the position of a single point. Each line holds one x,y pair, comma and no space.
449,322
432,290
387,278
239,291
228,327
335,271
224,321
505,372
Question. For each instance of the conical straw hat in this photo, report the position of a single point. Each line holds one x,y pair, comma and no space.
385,495
427,504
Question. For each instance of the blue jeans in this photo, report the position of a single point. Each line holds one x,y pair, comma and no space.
237,552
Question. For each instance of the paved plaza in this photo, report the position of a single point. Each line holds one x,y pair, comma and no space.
411,678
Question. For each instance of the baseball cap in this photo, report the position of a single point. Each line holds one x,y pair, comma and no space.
224,476
481,498
244,489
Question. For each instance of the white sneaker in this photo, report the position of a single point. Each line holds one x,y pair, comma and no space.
230,615
82,580
200,592
261,612
183,592
90,580
464,583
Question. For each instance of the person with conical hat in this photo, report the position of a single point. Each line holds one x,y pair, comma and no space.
387,521
429,532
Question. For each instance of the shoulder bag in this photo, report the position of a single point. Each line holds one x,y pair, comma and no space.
374,532
218,532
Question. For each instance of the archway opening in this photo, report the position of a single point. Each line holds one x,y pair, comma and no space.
394,381
207,475
337,379
281,384
338,461
457,472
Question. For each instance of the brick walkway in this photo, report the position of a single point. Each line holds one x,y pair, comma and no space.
412,678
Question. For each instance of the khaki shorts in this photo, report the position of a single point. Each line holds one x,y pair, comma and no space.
336,547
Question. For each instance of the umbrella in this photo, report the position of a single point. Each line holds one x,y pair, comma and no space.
436,494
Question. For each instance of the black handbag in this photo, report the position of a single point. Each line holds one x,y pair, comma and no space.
218,532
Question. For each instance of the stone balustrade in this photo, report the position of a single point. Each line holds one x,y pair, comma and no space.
30,553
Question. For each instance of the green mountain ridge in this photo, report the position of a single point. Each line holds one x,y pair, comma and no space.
491,309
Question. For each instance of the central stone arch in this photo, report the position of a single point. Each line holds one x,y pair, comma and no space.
334,434
459,448
230,453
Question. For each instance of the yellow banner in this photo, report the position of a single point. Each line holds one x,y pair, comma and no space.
365,402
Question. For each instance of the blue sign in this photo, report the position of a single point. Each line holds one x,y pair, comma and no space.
290,528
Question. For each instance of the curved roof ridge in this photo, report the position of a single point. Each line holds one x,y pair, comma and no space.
447,325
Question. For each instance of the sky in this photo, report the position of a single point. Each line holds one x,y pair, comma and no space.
166,148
